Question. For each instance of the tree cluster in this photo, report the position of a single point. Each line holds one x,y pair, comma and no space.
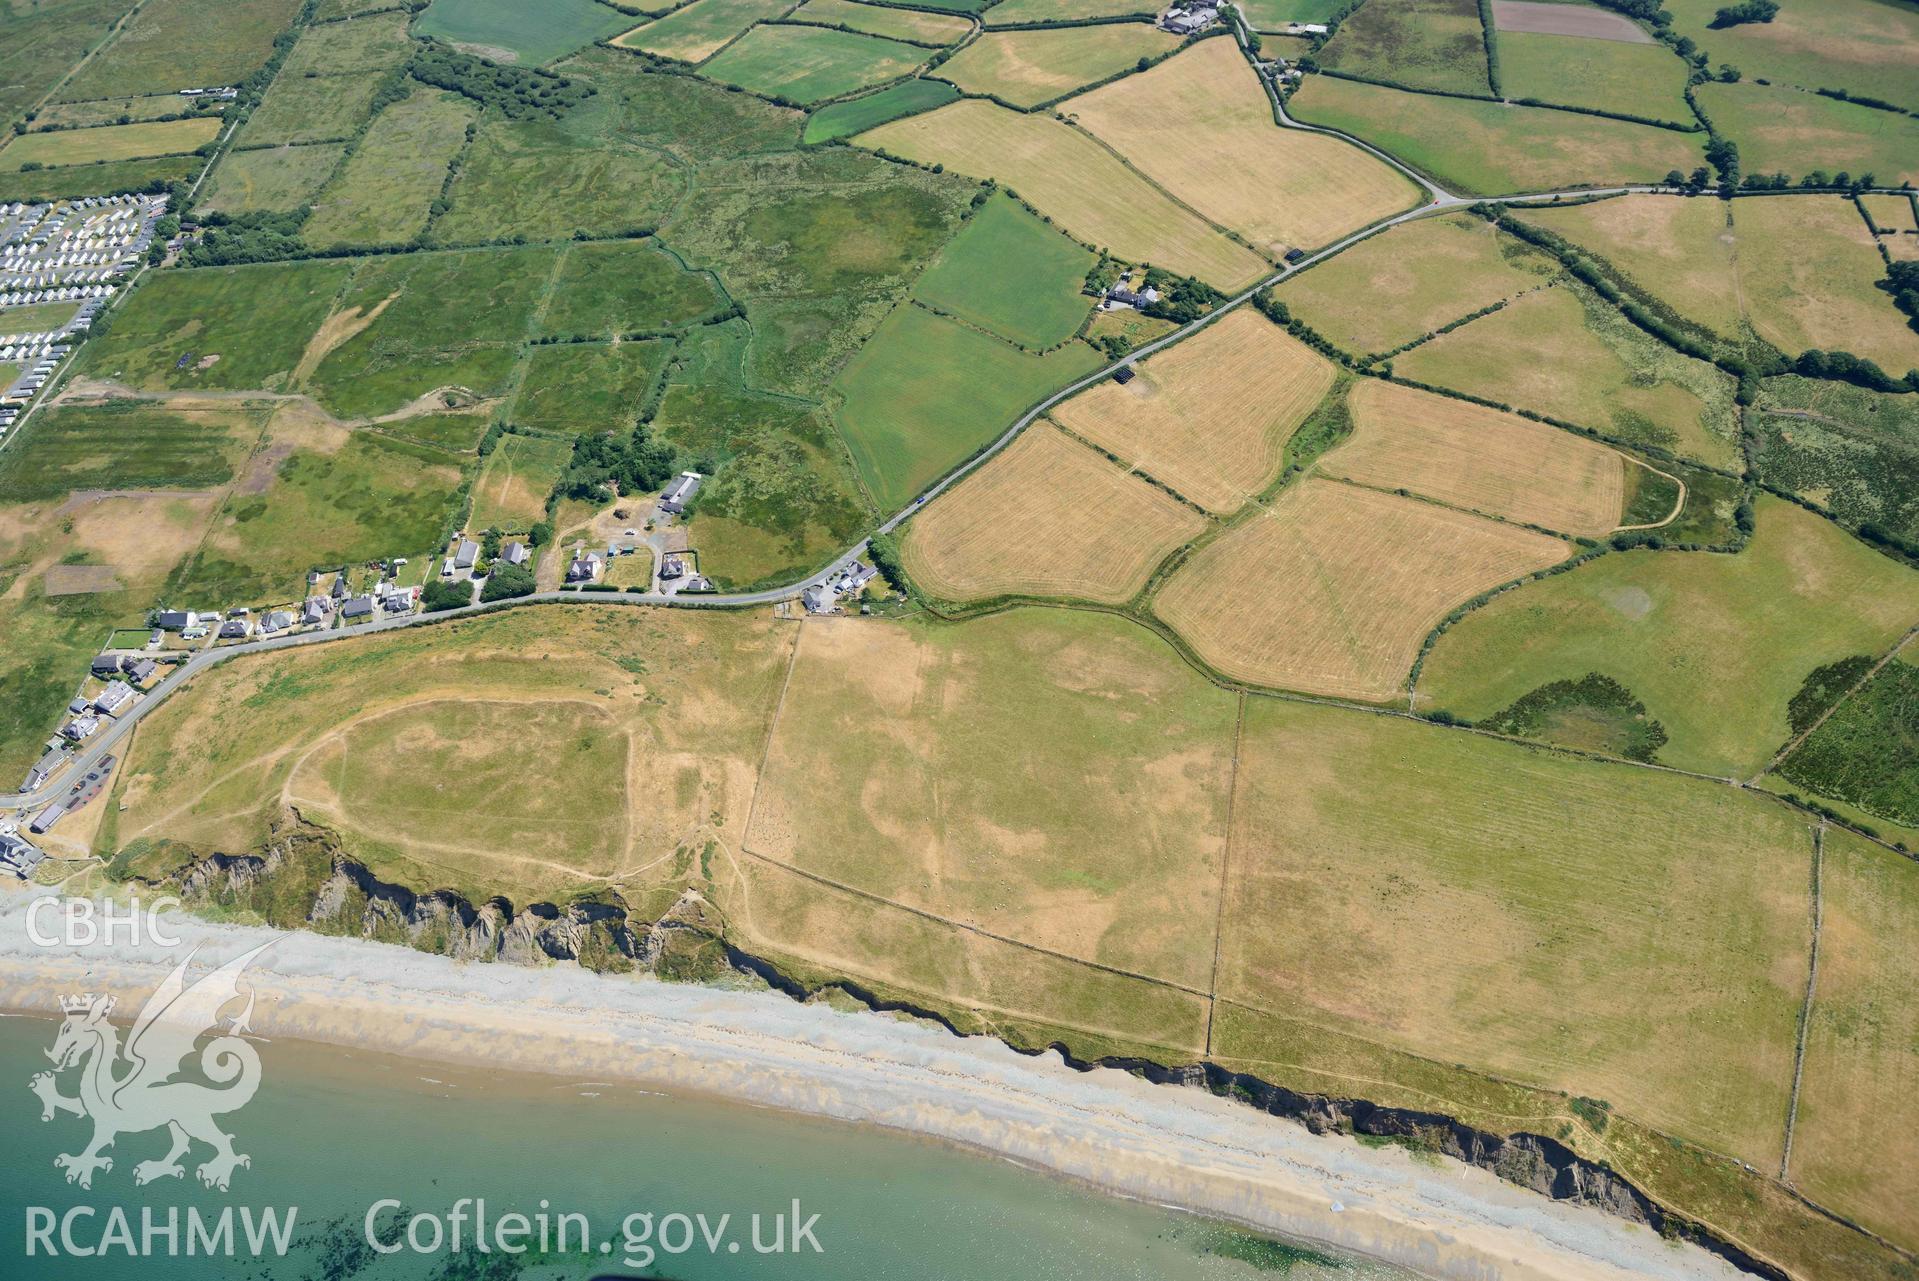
516,92
1902,282
635,463
255,237
1733,15
1182,299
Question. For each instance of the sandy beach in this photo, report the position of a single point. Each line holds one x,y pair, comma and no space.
1180,1147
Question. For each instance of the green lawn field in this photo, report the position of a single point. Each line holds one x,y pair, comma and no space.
857,115
510,31
113,142
1714,645
1011,273
1782,130
1424,44
1646,80
1862,46
95,180
810,64
927,392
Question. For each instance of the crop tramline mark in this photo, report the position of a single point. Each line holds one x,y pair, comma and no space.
1805,1008
1225,864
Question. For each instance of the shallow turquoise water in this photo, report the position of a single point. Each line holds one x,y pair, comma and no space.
332,1132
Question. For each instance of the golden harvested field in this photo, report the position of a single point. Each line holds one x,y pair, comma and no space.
1226,157
1209,416
701,29
1027,68
1332,590
1855,1147
1404,283
948,767
113,142
1469,456
1048,517
511,490
1679,251
1615,933
1809,271
1074,180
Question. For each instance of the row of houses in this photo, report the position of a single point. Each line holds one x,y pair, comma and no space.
824,598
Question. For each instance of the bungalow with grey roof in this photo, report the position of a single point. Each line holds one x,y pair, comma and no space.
175,620
106,665
358,607
80,728
43,769
141,670
316,610
236,629
585,568
116,695
515,553
276,621
466,554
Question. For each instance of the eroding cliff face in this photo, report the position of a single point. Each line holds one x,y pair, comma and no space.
301,880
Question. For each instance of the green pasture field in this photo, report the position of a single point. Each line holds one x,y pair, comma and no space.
36,317
926,392
1612,932
1026,68
512,31
124,444
883,20
1011,273
72,181
1863,46
874,715
1853,451
817,245
1563,352
511,490
256,319
809,64
41,43
1483,148
624,287
1407,282
311,109
857,115
335,10
271,180
1425,44
1862,1041
177,44
1867,752
340,48
325,503
586,387
1715,645
1606,75
698,31
1273,15
113,142
454,432
449,319
384,192
547,179
782,498
110,111
1781,130
1010,12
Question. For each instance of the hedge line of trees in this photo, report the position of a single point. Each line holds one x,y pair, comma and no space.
517,93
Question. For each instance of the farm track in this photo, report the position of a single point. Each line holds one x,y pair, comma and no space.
1805,1008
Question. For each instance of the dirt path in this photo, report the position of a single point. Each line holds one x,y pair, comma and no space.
1677,506
1837,703
1805,1008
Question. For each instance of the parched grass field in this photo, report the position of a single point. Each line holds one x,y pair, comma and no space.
926,392
410,323
1483,148
1209,416
511,490
35,317
1615,933
623,287
884,20
1809,272
317,495
1864,46
41,43
1279,188
1047,517
1679,251
1782,130
1027,68
693,715
1862,1043
1714,645
1897,223
74,181
374,43
508,31
1469,456
874,779
112,142
107,111
1646,80
174,44
586,387
271,180
382,195
1562,352
311,109
1408,281
1424,44
1332,589
1011,273
851,116
698,31
1010,12
256,320
810,64
1075,181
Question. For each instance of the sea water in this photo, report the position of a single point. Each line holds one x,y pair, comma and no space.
441,1158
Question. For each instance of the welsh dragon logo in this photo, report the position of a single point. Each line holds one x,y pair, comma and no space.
138,1087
